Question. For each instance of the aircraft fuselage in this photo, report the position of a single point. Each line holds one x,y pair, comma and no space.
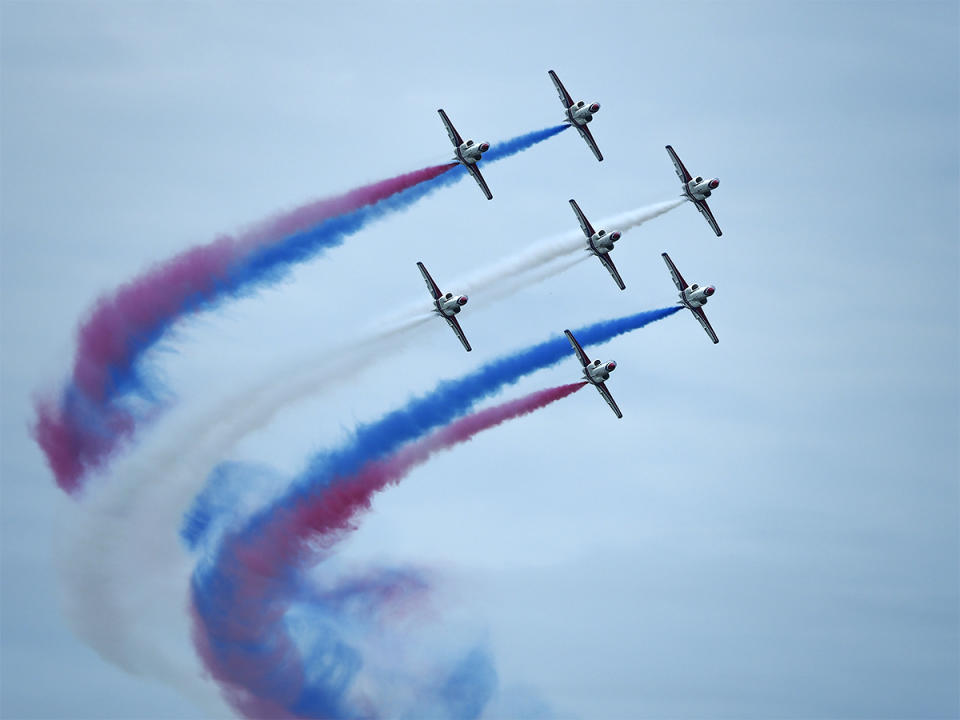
700,189
598,371
696,296
450,304
602,242
469,152
581,113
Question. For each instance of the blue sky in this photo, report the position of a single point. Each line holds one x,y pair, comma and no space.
772,529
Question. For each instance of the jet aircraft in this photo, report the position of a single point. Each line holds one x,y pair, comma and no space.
595,372
601,243
696,189
578,113
446,305
468,153
692,297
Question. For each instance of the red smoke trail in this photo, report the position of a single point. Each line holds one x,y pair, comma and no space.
78,429
134,308
239,630
325,515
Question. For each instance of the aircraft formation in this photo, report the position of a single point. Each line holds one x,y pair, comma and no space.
598,242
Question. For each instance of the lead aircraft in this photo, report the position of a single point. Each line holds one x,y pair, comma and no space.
595,372
693,297
601,243
468,153
696,189
446,305
578,113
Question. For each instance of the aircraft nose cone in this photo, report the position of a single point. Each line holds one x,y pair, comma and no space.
714,184
462,300
709,291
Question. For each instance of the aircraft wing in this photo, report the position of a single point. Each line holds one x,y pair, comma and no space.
561,90
431,285
451,130
702,317
584,223
588,136
602,387
612,269
475,171
581,355
459,331
677,277
682,173
707,215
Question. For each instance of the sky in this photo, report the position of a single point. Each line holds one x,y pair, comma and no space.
771,530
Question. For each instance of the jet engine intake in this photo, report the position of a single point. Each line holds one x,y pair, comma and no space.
472,150
698,295
584,113
600,373
703,188
452,305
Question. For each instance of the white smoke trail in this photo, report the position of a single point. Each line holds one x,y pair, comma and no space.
125,570
126,573
535,263
506,287
488,279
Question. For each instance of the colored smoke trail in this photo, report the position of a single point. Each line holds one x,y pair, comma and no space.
256,406
338,504
508,148
134,624
125,576
451,398
78,430
241,629
369,443
82,425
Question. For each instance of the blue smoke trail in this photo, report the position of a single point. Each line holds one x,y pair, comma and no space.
451,398
125,325
219,586
272,262
445,402
499,151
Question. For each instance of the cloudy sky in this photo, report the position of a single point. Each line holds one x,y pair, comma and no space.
771,530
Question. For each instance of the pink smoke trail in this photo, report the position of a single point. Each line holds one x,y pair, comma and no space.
239,630
81,427
136,305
